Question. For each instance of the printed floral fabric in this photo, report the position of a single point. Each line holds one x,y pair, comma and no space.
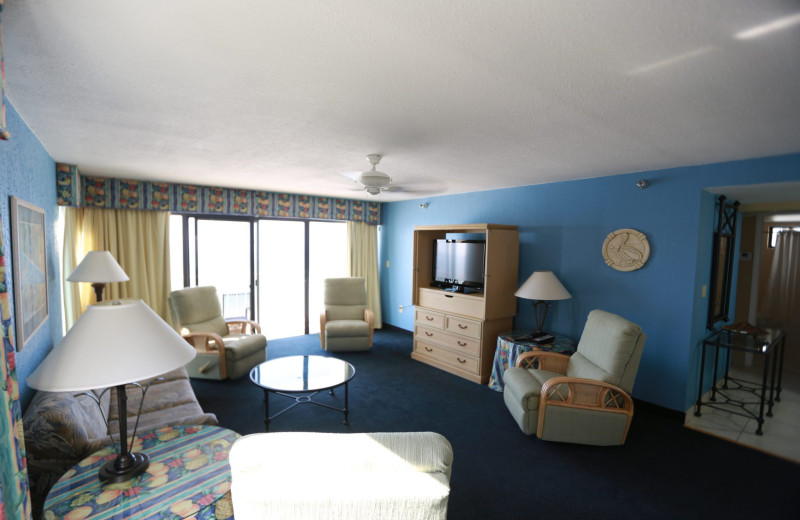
74,189
510,346
62,428
14,495
188,477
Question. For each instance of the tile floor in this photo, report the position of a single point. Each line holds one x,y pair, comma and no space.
781,432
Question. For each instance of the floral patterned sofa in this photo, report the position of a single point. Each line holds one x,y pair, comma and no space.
62,428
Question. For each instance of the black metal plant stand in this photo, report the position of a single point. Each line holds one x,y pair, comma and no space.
770,346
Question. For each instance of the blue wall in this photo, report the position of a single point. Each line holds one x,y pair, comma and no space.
28,172
562,228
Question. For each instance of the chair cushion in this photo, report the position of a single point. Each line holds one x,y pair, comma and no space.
240,346
525,386
607,341
346,328
579,366
345,298
197,309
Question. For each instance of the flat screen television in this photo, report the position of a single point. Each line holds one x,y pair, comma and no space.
458,265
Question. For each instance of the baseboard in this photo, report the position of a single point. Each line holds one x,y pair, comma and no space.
672,415
392,328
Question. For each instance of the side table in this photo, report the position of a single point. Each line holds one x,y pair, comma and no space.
188,476
511,344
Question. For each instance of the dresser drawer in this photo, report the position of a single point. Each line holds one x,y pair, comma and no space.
429,318
467,305
459,343
463,326
445,355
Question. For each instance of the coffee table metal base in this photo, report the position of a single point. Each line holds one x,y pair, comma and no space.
302,399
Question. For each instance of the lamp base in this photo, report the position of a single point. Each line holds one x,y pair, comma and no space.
112,473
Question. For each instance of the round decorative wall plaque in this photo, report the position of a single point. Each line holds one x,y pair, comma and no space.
626,249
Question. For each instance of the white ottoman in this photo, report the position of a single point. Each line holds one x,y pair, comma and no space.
352,476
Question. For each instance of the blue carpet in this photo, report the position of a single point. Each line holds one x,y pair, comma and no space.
663,471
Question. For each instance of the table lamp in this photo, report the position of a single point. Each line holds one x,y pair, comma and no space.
540,286
113,343
99,268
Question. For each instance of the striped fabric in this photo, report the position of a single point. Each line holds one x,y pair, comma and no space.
188,476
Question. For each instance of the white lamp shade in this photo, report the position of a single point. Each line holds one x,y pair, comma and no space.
98,267
112,343
542,285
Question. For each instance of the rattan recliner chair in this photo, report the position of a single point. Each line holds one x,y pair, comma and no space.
584,398
225,349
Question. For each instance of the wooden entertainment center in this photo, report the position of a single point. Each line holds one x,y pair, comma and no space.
458,332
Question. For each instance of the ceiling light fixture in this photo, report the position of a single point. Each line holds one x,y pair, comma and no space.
769,27
373,180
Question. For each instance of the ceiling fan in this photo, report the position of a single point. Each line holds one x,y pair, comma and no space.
372,181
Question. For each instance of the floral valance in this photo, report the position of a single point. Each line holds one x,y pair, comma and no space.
75,189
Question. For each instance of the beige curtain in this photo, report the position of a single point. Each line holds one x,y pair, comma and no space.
362,260
780,306
138,240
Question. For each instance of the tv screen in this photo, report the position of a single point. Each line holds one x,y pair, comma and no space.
459,262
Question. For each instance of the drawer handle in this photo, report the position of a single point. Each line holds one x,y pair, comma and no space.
462,327
462,361
462,343
429,349
429,318
429,334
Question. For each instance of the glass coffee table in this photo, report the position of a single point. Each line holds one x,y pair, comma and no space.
301,378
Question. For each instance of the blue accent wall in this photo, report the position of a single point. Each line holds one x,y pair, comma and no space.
28,172
562,228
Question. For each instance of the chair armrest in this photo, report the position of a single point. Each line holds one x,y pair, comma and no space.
552,361
369,317
201,341
240,326
323,319
584,394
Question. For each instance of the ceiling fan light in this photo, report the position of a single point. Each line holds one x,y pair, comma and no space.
373,179
373,190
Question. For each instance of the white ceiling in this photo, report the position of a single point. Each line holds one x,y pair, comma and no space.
458,96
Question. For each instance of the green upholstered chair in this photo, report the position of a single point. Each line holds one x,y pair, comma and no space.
345,324
584,398
225,349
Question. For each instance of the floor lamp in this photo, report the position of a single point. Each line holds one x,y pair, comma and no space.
113,344
99,268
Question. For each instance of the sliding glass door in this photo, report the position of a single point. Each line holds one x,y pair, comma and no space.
215,252
327,259
268,270
282,277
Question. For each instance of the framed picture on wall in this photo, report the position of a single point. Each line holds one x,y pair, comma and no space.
29,268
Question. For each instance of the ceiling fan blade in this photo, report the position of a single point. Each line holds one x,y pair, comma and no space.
354,175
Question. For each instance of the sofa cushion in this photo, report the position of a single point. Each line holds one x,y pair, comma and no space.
60,425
